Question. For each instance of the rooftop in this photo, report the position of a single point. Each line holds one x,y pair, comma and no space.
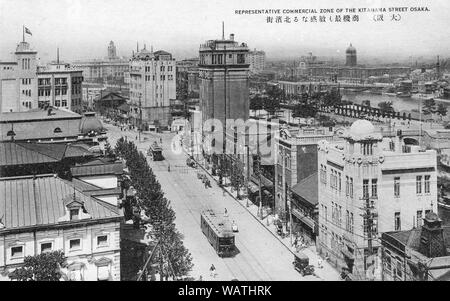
38,114
307,189
39,201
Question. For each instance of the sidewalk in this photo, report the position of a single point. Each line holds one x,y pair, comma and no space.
326,273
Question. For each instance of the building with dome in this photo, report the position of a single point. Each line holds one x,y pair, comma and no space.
365,178
152,86
350,56
351,71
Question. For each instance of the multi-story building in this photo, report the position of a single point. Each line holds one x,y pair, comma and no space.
26,86
257,61
152,86
419,254
56,216
224,87
113,68
369,185
18,91
296,161
59,85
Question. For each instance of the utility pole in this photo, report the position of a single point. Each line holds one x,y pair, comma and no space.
224,165
369,216
140,118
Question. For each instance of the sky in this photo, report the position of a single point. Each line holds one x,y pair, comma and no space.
82,29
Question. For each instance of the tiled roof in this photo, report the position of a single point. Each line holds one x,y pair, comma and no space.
16,154
307,189
28,201
97,167
38,114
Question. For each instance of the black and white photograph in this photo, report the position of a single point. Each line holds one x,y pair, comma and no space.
222,141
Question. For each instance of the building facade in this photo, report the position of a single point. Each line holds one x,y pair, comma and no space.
85,229
296,161
369,185
257,61
224,86
152,86
26,86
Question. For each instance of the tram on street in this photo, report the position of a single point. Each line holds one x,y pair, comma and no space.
155,152
218,230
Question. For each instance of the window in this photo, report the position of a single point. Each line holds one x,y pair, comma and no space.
347,188
388,262
74,214
46,247
351,187
399,269
17,251
340,182
397,225
351,222
419,218
75,244
365,188
102,240
397,187
427,184
418,184
374,188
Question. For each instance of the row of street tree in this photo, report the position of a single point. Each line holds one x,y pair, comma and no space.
171,256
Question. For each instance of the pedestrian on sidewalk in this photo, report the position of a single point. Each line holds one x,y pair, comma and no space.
319,263
212,271
225,213
168,168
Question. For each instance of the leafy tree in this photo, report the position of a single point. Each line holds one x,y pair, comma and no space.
237,176
256,103
332,98
429,106
43,267
441,110
304,110
386,106
172,256
274,97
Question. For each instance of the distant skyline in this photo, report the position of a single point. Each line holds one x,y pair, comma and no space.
82,29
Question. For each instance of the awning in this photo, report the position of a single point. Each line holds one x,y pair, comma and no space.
253,187
306,220
348,254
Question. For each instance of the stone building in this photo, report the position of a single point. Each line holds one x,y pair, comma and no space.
24,85
369,185
57,216
152,87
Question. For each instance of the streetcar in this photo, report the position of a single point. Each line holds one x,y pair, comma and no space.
217,229
155,152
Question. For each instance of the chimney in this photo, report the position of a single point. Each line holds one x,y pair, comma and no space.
432,242
232,36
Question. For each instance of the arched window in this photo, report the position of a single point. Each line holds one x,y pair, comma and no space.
57,130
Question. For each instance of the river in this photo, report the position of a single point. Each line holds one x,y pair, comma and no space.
399,104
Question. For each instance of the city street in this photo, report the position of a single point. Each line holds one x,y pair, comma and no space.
261,256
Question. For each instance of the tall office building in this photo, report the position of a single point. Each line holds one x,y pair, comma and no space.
152,86
257,60
224,84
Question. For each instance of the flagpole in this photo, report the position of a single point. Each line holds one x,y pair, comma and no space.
23,33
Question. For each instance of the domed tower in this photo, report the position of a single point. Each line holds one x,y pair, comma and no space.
350,56
112,54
